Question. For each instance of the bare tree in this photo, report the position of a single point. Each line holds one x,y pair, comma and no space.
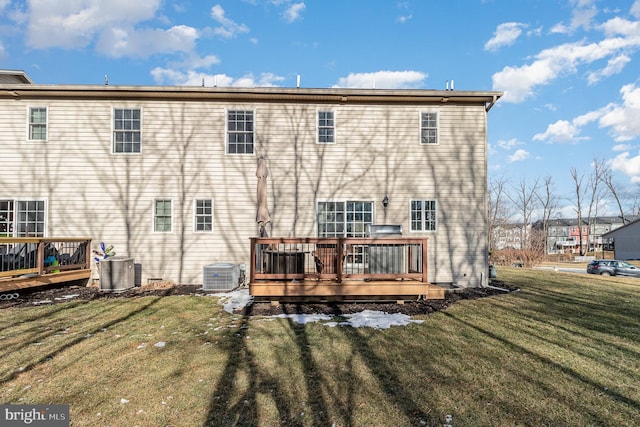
498,208
524,199
588,193
604,174
549,204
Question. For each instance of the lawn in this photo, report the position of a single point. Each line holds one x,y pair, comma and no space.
564,350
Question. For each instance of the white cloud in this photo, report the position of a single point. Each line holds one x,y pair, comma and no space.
628,166
76,24
623,119
614,66
622,147
165,76
561,131
228,28
635,9
505,35
519,155
582,17
620,118
383,80
509,144
519,83
294,12
119,42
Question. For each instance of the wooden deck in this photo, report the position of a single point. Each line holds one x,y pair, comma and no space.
340,268
32,262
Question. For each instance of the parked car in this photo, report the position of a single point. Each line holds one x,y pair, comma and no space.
612,267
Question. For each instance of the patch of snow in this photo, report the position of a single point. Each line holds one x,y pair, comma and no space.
123,401
304,318
378,319
235,299
67,297
160,344
368,318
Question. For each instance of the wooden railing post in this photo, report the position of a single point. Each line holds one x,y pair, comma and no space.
40,257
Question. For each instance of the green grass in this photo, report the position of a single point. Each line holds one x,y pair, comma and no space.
565,350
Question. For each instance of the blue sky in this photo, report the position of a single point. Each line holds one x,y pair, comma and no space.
568,68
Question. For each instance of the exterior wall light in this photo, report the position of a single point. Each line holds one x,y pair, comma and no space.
385,201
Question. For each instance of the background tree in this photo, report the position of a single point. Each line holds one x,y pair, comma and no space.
524,201
499,209
549,204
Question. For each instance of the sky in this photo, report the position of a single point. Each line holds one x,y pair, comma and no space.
569,69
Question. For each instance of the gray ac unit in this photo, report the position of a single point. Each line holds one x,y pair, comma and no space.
221,277
117,274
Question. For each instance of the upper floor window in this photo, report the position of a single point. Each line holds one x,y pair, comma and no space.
423,215
127,130
203,218
162,216
38,124
429,128
240,132
326,127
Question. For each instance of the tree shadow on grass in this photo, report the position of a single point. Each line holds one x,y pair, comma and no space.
227,407
49,355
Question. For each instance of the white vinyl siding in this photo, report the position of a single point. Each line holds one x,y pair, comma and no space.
111,198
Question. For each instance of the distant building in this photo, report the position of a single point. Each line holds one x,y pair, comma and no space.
565,235
626,240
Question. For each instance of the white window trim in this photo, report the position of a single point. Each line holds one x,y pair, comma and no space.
113,129
153,216
437,127
335,127
226,131
424,199
46,137
341,200
195,207
45,232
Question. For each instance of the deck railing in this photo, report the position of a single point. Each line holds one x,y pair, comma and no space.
338,259
20,256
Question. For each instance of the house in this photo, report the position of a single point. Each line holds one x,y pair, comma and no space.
167,175
626,241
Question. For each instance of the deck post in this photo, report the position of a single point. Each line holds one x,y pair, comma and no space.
40,257
424,260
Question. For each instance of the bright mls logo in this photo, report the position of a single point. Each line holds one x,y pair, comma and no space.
34,415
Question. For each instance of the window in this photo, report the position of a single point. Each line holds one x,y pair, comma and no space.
127,134
162,216
203,215
6,218
326,127
423,215
38,124
22,218
344,219
429,128
240,132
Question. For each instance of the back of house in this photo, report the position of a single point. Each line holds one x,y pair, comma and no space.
167,175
